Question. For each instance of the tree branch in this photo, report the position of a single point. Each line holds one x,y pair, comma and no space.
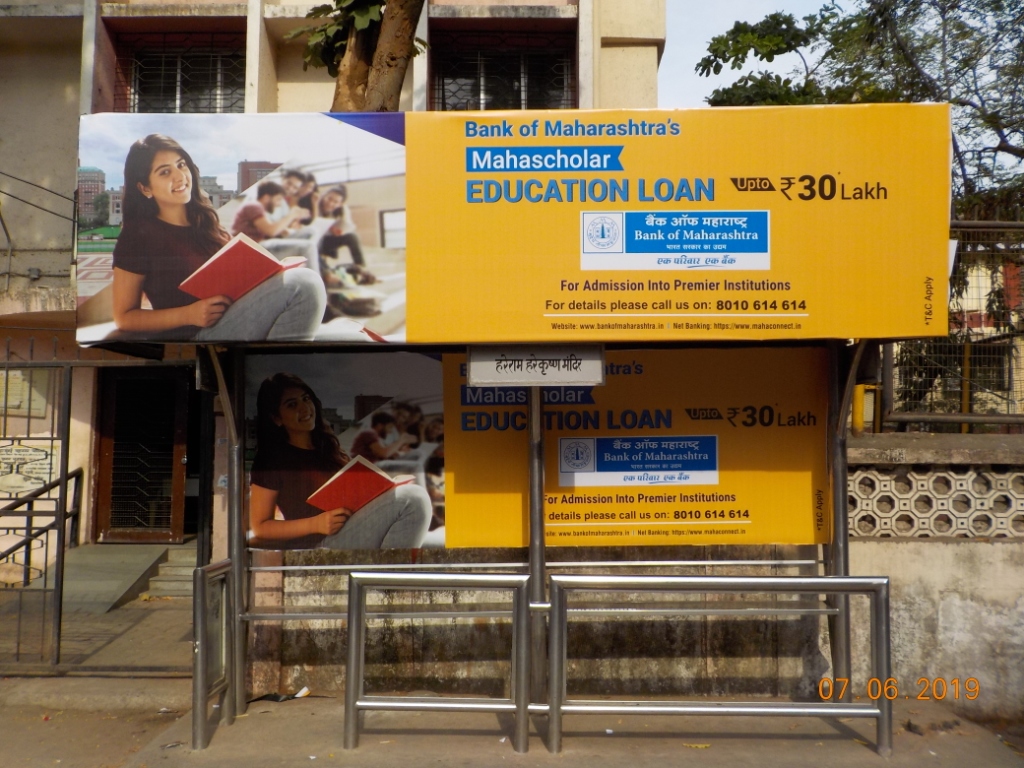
1010,149
964,177
885,15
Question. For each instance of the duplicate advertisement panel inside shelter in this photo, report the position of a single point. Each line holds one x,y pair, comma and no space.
345,451
692,446
712,224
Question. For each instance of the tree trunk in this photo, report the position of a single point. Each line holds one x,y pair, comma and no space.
350,85
395,50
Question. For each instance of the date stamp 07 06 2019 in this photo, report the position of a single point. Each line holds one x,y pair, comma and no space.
926,689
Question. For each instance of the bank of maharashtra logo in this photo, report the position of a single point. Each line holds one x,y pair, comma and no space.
576,454
602,232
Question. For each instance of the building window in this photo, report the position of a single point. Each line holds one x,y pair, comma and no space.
185,72
492,70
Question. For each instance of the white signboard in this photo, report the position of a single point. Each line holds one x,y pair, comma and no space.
540,366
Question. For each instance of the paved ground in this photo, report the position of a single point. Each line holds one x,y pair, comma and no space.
127,730
132,663
33,737
153,636
122,668
140,635
309,731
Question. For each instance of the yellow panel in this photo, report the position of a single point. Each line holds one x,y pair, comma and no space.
696,446
712,224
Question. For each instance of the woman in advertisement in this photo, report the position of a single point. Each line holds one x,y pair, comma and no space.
169,229
296,452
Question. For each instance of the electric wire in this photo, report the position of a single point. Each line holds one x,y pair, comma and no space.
37,186
34,205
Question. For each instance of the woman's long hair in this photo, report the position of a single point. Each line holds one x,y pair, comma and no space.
137,207
272,437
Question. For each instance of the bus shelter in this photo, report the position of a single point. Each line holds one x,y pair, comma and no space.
632,329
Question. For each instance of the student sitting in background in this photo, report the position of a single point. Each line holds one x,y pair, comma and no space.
333,205
370,443
254,218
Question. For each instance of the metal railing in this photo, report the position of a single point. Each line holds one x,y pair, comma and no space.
338,608
562,587
34,599
213,640
357,700
28,508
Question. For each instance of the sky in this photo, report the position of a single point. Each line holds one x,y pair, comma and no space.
690,27
216,143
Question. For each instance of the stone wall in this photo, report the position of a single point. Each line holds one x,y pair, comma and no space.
692,655
957,611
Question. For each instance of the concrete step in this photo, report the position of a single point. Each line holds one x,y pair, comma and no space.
173,577
164,586
161,579
182,554
182,593
173,569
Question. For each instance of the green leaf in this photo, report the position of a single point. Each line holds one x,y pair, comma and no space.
363,17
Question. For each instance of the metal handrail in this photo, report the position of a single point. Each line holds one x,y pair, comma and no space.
32,534
876,588
426,567
355,697
75,474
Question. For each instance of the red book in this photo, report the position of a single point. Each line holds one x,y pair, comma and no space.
353,486
236,269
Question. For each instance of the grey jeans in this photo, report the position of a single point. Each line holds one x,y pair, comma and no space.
287,307
397,519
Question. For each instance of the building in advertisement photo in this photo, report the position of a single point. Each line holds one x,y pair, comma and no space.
134,433
91,181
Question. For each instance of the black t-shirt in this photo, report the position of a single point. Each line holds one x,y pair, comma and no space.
164,254
294,473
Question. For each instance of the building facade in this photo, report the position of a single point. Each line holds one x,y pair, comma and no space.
63,59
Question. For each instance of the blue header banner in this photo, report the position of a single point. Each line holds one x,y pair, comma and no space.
515,159
521,395
657,453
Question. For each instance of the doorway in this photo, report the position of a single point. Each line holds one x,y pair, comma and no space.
142,455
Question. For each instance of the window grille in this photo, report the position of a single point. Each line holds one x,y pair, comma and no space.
185,72
503,71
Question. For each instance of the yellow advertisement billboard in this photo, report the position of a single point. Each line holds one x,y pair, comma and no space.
694,446
711,224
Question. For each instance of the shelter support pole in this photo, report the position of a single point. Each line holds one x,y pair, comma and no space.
229,399
207,443
538,638
842,382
